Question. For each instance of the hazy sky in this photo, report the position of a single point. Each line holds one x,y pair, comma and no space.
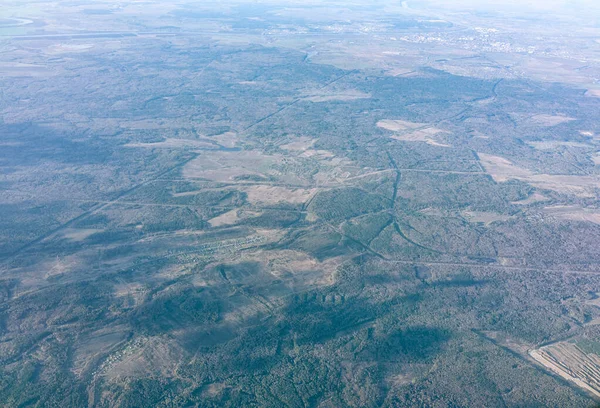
526,5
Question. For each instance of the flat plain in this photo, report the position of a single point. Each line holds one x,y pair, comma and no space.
207,204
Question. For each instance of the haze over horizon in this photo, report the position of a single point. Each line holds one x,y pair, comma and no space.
240,203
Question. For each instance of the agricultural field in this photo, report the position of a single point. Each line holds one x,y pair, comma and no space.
291,204
569,361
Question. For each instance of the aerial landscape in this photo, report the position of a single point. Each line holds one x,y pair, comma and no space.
289,203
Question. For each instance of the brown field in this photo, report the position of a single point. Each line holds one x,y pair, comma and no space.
16,69
187,193
574,213
550,120
136,292
582,186
213,389
342,95
68,48
502,170
594,302
412,132
479,135
549,145
253,166
593,93
338,172
300,144
302,269
534,198
434,212
232,217
174,271
174,143
399,125
227,166
75,234
573,364
517,345
553,69
289,169
318,154
423,135
294,270
146,124
485,217
156,356
94,345
274,194
62,265
227,139
400,71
